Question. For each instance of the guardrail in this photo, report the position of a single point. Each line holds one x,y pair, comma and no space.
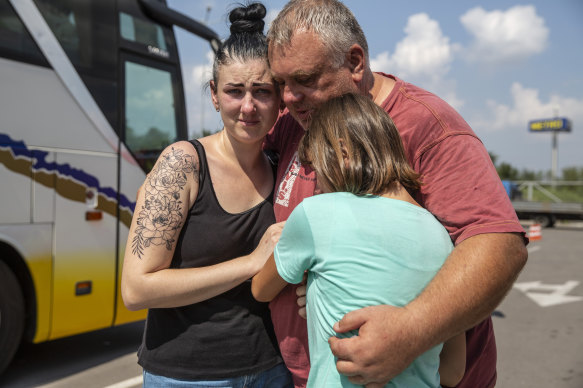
531,186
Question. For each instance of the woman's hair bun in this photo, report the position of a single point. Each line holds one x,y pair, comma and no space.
248,19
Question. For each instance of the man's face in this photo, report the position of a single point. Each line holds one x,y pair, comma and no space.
306,75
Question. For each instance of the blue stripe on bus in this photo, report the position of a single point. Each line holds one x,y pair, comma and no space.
19,149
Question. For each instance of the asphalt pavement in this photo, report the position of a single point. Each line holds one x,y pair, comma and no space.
539,325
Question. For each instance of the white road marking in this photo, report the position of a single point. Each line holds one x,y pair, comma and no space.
546,295
134,381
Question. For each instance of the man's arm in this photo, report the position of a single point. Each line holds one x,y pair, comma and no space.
473,281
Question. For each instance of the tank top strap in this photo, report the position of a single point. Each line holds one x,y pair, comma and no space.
203,171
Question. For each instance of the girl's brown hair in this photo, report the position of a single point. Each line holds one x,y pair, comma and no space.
355,125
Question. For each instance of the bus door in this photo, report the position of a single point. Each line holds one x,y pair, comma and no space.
153,113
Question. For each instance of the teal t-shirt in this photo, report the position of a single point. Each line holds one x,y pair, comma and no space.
360,251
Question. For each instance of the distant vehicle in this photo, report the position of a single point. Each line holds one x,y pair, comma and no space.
545,213
91,92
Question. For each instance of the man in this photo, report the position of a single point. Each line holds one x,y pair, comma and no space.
317,50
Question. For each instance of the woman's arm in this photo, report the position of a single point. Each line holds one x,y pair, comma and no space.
452,361
267,283
161,209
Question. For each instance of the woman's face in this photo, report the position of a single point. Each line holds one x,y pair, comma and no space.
247,98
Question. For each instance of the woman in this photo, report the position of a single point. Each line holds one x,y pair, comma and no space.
199,215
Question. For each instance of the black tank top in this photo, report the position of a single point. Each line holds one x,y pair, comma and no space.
230,334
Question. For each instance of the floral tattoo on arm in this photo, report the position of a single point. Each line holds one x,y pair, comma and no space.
160,217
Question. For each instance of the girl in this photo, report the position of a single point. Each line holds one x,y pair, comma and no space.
364,242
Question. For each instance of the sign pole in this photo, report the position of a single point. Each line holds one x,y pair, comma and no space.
555,126
555,152
554,163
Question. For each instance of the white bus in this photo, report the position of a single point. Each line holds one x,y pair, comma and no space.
90,93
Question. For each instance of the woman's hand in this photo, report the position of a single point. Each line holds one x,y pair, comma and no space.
266,246
267,283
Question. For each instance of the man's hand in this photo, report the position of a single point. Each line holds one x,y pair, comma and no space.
301,294
474,279
387,343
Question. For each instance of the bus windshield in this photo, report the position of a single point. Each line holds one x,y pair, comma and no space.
138,88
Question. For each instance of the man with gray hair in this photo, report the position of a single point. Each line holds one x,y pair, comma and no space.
317,50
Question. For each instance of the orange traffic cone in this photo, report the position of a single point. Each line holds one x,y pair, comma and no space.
534,232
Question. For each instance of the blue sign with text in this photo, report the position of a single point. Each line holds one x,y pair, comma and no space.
559,124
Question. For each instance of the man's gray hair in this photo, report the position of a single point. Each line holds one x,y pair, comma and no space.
331,20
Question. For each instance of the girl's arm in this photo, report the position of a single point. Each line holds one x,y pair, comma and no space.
295,254
162,206
267,283
452,360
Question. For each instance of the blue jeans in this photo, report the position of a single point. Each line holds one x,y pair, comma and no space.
276,377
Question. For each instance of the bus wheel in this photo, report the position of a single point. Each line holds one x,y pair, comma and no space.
11,315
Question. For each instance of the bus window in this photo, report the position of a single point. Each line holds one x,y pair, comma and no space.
15,40
137,30
150,116
86,30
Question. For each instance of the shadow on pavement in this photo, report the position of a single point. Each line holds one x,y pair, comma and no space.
39,364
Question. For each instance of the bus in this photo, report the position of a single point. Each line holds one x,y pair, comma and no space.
90,93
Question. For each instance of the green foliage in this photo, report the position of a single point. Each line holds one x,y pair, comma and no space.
153,140
526,175
573,174
506,171
494,157
567,193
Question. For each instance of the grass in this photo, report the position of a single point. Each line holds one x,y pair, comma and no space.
564,193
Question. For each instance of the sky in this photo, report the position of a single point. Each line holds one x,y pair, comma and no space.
499,63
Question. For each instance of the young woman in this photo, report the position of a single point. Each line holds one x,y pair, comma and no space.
196,236
366,242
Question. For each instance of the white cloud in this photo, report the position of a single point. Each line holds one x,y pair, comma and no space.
504,130
505,36
423,57
424,52
526,106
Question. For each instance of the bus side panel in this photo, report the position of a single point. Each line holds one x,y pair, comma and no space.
15,178
34,242
131,179
38,109
84,268
43,188
26,216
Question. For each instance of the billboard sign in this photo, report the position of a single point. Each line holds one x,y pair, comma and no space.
549,125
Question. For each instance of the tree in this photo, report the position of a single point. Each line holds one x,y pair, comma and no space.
493,157
573,174
506,171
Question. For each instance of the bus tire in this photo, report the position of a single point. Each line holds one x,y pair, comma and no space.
11,315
